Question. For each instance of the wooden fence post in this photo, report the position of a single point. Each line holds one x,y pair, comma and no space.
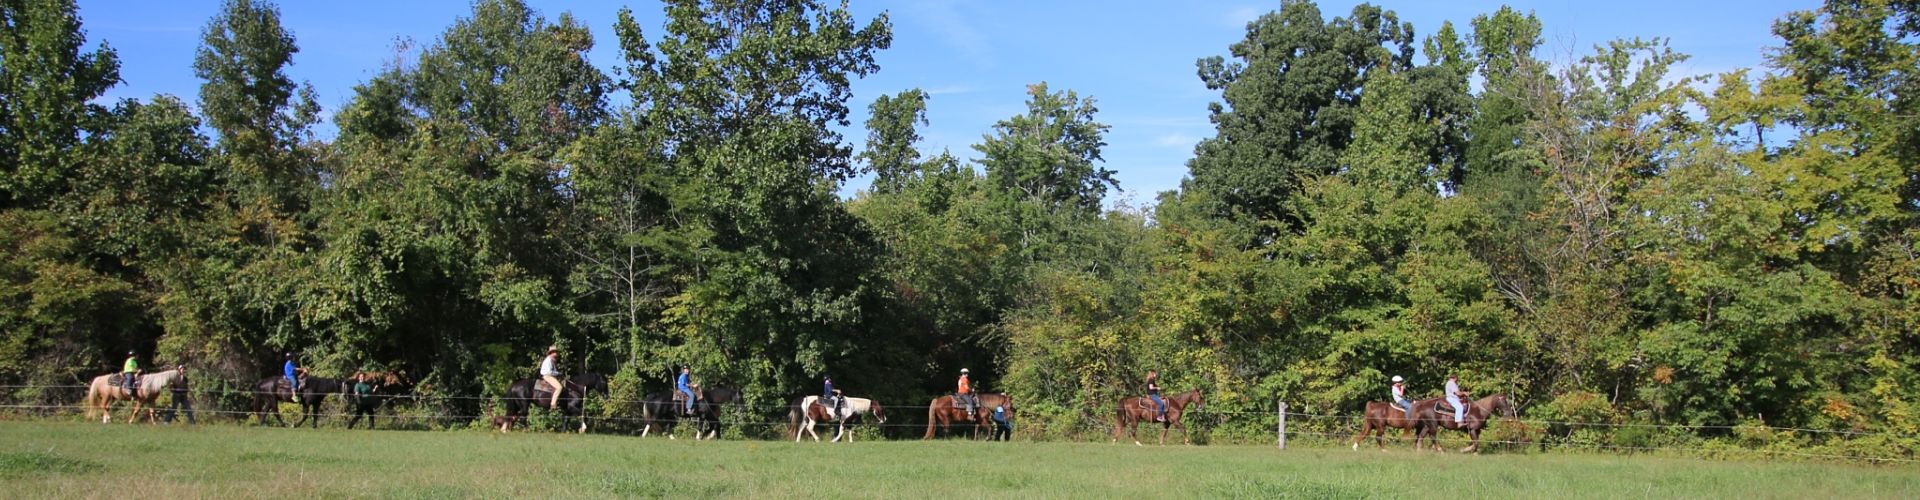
1281,428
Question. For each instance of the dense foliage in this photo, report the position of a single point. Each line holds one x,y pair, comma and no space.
1603,238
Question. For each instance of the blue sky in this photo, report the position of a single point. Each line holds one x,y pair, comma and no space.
1136,58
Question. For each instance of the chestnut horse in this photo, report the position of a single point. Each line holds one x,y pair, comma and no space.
106,389
1137,409
1381,416
1478,414
942,412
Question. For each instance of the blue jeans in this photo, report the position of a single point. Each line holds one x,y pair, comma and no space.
689,394
1158,403
1406,406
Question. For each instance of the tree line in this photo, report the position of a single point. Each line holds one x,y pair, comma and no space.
1602,237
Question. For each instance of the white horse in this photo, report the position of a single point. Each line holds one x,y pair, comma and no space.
102,393
810,410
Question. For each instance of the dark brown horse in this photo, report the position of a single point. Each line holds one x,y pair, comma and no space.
1381,416
1478,414
1137,409
269,392
942,412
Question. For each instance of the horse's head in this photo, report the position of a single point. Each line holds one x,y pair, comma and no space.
1199,400
874,407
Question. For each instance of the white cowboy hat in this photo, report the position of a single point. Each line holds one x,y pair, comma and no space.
553,348
1397,379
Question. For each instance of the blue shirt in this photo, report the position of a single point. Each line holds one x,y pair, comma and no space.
829,390
1000,415
681,383
291,369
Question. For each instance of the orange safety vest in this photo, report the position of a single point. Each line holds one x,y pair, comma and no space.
963,386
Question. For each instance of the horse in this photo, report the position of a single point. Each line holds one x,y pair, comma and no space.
810,410
1134,410
943,412
660,409
1381,416
271,391
529,393
1478,414
385,387
106,389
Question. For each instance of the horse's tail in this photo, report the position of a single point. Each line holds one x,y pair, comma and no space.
93,391
793,418
933,411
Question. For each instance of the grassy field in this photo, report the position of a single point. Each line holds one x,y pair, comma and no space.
73,460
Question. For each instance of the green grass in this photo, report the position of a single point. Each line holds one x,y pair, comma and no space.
53,459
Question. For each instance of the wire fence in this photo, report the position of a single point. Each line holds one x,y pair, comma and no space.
1318,428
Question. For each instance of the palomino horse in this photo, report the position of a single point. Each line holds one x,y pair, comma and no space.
662,410
1478,414
271,391
104,391
810,410
1136,409
528,393
1381,416
943,412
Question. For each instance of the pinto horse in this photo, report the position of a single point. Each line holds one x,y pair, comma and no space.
1381,416
661,410
943,412
105,390
1478,414
1137,409
811,410
528,393
271,391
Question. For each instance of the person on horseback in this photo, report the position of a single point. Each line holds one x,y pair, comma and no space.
684,384
292,371
130,374
550,372
1456,398
1400,396
1153,392
831,396
964,394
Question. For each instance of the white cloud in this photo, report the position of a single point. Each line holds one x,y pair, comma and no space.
1176,140
945,19
958,88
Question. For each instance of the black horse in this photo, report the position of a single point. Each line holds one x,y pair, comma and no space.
660,410
271,391
528,393
385,387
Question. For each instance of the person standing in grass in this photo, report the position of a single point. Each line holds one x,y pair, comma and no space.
1002,425
181,401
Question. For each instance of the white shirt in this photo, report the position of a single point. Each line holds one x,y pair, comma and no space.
1399,392
546,367
1453,389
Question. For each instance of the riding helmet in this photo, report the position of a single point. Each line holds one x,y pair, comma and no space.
130,353
1397,379
963,370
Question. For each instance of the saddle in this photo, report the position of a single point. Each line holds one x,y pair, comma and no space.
681,397
540,386
120,380
834,409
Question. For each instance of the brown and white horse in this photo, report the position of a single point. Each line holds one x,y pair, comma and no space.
102,393
943,412
1136,409
810,410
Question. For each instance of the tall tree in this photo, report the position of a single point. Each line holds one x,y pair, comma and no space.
47,88
891,138
1289,100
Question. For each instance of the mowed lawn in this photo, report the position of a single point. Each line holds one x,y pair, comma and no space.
74,460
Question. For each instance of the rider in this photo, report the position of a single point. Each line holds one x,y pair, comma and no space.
550,372
1400,396
129,374
292,372
1455,397
1153,391
965,393
684,384
830,395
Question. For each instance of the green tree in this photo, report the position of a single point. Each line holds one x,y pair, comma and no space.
47,88
891,136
